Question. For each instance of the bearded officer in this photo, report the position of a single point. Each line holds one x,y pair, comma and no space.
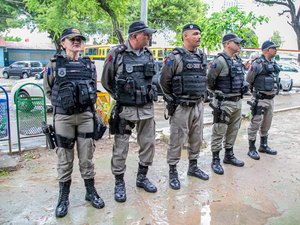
263,79
127,76
225,80
183,81
70,84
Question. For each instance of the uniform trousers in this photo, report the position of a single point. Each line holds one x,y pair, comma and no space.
226,133
185,125
68,126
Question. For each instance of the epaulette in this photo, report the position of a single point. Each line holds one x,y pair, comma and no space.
120,48
57,55
177,51
53,59
257,60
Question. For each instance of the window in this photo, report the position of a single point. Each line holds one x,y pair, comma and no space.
36,64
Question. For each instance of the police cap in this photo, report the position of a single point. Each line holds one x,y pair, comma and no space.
191,26
268,44
71,32
140,26
231,37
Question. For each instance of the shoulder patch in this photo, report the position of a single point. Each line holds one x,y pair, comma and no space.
110,58
168,61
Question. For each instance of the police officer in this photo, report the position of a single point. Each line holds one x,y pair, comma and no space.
70,83
263,79
225,80
183,81
127,76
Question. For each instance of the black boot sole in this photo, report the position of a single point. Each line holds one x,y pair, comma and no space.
147,190
266,152
95,206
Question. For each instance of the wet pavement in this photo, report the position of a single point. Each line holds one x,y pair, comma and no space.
262,192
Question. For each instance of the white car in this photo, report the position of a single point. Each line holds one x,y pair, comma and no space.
29,90
293,71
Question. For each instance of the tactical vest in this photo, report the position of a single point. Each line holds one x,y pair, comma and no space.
134,85
191,81
74,86
267,79
233,82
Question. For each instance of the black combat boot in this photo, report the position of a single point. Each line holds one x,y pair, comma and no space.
195,171
264,148
142,181
215,165
92,195
63,199
252,150
173,178
229,158
120,190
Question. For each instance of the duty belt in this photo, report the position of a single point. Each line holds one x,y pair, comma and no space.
59,110
232,99
189,103
264,96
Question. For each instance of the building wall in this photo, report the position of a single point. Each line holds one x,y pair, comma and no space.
1,57
29,55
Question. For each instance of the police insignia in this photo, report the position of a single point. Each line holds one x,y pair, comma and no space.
62,72
48,71
110,58
168,61
129,68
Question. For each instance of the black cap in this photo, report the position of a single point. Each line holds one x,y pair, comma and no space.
268,44
191,26
71,32
231,37
140,26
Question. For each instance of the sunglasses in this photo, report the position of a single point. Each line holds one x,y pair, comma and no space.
75,39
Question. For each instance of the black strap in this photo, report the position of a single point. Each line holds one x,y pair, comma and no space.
85,135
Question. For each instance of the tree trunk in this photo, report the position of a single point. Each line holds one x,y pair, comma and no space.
116,26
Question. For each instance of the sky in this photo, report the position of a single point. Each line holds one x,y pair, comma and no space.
264,32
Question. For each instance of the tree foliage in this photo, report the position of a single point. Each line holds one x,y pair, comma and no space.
276,38
10,14
293,14
231,20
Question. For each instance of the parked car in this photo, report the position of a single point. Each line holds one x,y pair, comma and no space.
29,91
293,71
22,69
286,83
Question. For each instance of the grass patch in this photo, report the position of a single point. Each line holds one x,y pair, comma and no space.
4,173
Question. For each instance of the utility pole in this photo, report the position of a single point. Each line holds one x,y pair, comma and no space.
144,11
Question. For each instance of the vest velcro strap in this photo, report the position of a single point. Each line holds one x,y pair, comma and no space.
85,135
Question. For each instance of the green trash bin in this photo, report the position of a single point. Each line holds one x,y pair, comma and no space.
31,111
3,118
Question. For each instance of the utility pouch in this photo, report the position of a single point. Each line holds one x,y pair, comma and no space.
149,69
153,93
66,95
83,94
269,83
114,120
99,127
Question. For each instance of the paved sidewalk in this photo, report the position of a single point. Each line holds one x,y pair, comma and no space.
262,192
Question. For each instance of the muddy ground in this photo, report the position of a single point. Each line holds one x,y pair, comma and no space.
262,192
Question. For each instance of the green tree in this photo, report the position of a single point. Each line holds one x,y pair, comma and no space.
12,14
230,20
276,38
293,13
14,39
